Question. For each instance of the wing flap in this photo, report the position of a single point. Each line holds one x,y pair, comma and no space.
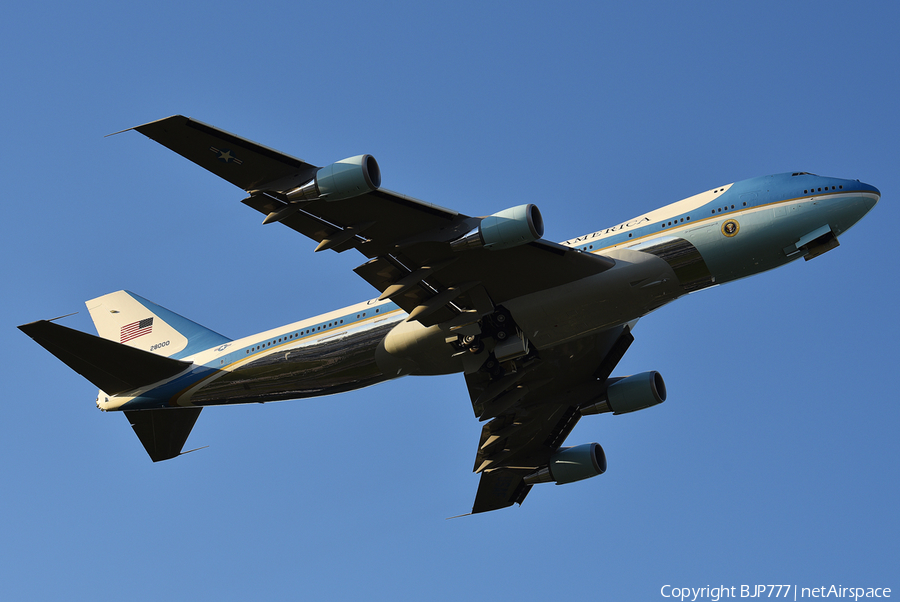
503,275
500,489
409,292
395,220
301,221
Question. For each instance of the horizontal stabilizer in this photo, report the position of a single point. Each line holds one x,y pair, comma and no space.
112,367
163,432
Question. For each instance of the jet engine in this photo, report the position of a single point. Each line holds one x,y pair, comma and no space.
509,228
342,180
630,394
570,464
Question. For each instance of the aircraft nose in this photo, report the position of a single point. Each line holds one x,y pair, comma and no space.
869,200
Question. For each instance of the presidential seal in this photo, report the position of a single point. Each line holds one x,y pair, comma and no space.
730,228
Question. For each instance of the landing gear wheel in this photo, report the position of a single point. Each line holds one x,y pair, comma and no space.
493,367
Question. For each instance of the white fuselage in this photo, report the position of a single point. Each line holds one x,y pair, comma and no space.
711,238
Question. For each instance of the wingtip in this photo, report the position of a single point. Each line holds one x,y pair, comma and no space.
192,450
61,317
119,132
25,327
137,127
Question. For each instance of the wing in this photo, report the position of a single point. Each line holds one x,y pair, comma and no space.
534,404
406,241
533,410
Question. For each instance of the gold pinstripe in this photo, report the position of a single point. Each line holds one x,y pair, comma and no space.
731,214
172,401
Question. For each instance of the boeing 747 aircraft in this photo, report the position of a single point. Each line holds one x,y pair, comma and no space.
536,328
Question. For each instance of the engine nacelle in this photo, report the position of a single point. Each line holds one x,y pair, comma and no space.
342,180
509,228
570,464
637,392
630,394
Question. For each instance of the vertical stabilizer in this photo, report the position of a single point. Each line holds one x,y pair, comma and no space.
131,320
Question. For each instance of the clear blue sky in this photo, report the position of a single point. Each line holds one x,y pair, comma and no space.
774,460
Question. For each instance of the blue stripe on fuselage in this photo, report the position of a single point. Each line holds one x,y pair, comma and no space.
741,196
745,200
240,351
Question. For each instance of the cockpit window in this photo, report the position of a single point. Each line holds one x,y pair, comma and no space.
802,173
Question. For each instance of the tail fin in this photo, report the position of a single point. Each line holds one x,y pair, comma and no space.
131,320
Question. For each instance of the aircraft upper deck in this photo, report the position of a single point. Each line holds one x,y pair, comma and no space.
745,195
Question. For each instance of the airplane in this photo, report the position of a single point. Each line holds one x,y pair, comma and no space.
537,328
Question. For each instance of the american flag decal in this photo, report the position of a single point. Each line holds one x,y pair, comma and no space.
135,330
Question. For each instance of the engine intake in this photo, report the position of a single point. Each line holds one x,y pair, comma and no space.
570,464
339,181
630,394
509,228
